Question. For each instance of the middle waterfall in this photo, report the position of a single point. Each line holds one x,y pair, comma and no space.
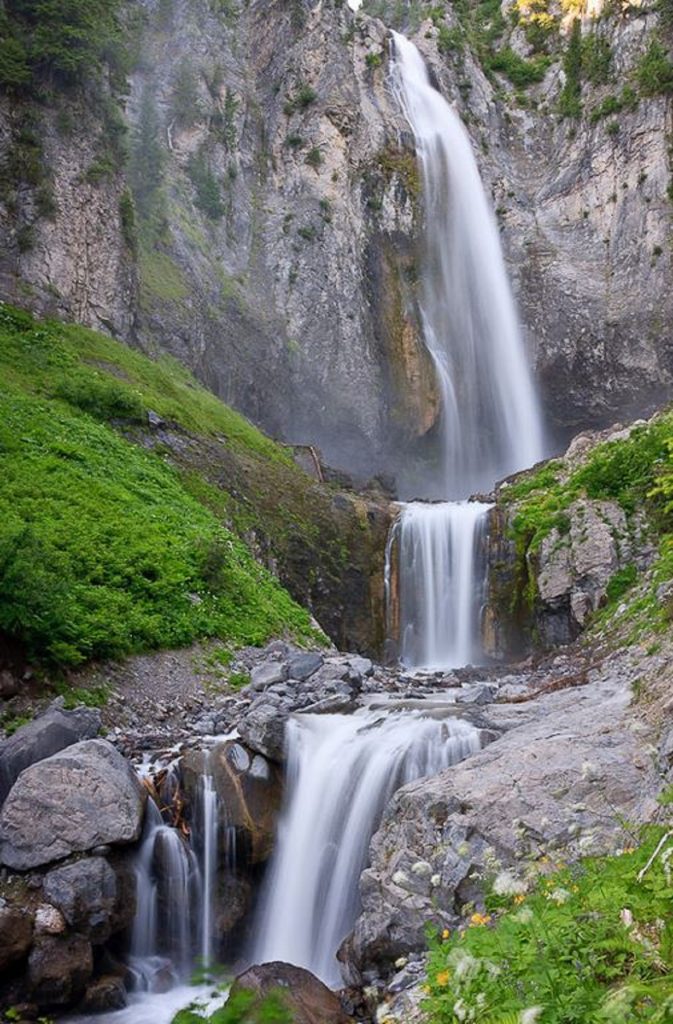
490,422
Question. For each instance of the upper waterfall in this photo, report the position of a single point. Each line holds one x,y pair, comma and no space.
490,417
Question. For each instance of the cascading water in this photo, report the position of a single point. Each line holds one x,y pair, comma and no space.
342,770
207,833
490,418
441,590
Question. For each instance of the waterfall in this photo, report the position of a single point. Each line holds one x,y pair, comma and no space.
168,893
208,849
441,590
342,770
490,421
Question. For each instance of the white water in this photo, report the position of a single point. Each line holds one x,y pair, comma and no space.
491,421
208,831
441,588
490,418
168,889
342,770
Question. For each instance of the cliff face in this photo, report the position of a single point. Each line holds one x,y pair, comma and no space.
278,209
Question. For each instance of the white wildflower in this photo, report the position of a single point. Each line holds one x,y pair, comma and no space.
530,1015
401,962
507,884
524,916
464,965
435,881
460,1010
559,896
626,917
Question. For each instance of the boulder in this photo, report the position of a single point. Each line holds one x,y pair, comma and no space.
263,729
86,895
104,995
82,797
268,673
16,935
302,666
9,684
306,998
568,766
59,968
55,730
248,786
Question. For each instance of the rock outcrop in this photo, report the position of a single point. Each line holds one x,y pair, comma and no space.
73,801
568,769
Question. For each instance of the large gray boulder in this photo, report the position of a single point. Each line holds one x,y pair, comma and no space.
55,730
569,766
80,798
86,893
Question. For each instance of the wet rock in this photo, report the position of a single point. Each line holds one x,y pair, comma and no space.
75,800
263,730
306,998
59,968
301,666
16,935
482,693
104,995
248,786
361,666
55,730
86,895
9,687
543,785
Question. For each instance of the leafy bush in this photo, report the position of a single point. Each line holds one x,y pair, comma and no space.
654,72
626,100
185,105
301,100
208,190
596,59
520,72
243,1007
587,944
570,100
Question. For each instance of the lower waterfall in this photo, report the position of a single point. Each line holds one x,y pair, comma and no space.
342,770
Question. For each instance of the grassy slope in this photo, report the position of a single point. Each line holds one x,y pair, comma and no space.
103,549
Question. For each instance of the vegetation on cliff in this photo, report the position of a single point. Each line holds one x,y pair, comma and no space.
104,549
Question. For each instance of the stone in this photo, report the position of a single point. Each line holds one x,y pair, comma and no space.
59,968
86,894
16,935
248,786
362,666
263,730
73,801
55,730
104,995
481,693
543,785
268,673
306,998
302,666
49,920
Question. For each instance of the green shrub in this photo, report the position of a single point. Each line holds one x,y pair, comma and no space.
314,158
208,189
185,106
627,100
570,100
14,68
243,1007
596,59
301,99
654,72
520,72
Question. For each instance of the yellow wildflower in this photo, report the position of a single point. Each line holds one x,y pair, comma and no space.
519,898
446,934
443,978
478,919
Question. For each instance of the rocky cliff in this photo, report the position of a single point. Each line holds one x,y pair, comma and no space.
278,209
